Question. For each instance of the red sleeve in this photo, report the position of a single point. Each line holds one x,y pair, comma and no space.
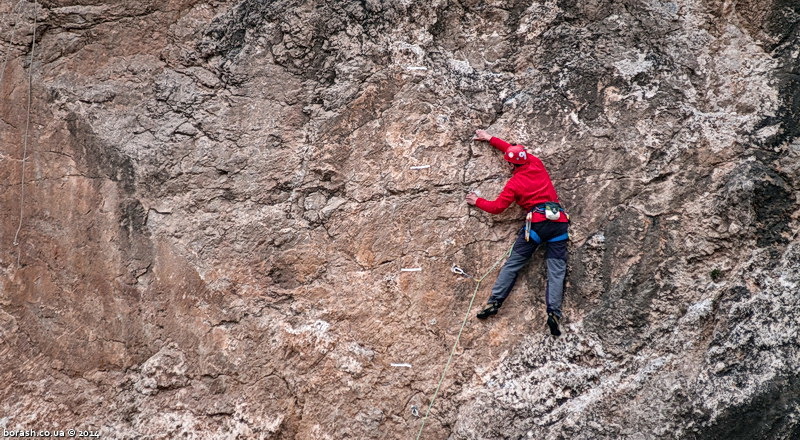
498,205
499,144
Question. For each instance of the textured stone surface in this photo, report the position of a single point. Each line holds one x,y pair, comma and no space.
218,198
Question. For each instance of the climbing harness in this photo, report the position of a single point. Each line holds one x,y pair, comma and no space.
536,239
458,338
552,211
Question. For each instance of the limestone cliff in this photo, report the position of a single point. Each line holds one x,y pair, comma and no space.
206,207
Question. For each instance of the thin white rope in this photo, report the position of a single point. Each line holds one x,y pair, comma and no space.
25,137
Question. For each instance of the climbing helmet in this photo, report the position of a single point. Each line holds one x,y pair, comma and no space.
516,154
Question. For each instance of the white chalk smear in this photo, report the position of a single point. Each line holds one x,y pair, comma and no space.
420,167
411,269
401,365
417,68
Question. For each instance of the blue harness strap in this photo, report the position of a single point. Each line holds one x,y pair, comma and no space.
536,239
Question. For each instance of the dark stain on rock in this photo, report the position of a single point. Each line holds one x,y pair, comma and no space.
733,295
226,36
783,25
760,197
625,307
770,414
300,43
283,276
774,205
98,158
132,216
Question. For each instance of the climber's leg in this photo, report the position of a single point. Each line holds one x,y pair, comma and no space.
520,255
556,259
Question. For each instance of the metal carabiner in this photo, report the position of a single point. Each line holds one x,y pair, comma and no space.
458,271
528,226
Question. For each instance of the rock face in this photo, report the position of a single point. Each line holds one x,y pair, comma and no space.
207,207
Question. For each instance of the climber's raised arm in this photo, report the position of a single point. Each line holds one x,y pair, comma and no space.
499,144
483,135
498,205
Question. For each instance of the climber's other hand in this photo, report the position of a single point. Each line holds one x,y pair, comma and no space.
482,135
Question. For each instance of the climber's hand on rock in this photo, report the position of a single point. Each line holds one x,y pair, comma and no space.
472,198
482,135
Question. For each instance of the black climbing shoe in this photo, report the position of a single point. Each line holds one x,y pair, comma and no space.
552,322
489,311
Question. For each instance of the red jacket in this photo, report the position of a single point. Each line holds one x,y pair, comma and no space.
529,186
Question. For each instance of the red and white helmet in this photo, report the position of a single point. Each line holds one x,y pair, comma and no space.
516,154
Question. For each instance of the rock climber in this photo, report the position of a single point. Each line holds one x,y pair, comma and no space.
546,224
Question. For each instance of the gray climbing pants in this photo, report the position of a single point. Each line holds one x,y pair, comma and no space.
555,258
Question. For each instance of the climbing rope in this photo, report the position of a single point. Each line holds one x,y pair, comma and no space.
458,270
27,131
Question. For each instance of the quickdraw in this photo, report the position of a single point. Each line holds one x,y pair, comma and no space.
528,226
459,271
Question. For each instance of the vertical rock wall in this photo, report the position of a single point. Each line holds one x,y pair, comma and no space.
217,201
